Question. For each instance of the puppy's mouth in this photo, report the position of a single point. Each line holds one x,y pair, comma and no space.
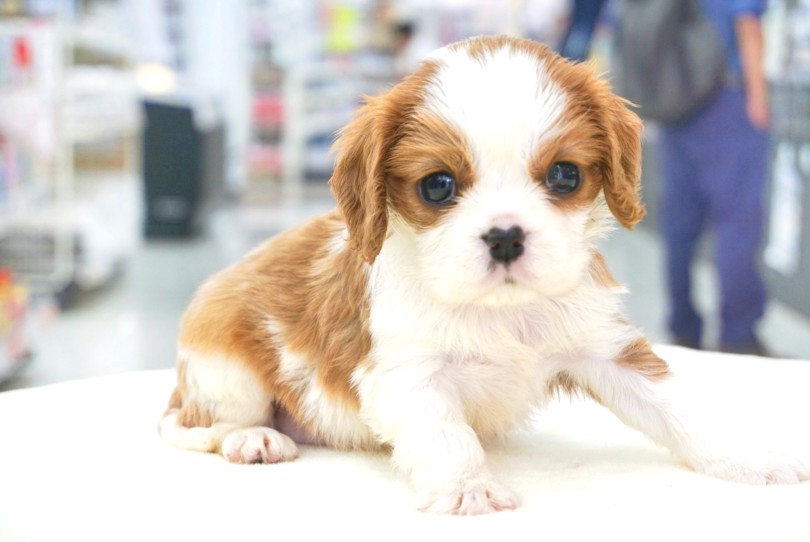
505,272
504,287
502,275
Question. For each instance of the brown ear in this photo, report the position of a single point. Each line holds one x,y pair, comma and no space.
358,181
622,180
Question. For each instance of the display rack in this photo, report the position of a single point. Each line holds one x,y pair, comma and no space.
33,254
310,68
35,177
70,211
787,239
264,162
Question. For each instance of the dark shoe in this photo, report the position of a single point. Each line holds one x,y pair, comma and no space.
755,348
686,343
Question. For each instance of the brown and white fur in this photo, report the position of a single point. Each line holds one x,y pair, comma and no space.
388,324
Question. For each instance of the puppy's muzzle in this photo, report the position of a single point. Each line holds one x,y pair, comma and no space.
505,246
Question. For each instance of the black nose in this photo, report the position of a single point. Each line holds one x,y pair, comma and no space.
505,245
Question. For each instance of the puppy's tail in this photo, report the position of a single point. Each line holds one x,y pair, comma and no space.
197,438
200,439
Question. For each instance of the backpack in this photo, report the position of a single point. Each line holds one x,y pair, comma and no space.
668,58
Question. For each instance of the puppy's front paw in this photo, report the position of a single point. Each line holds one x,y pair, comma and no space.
765,471
467,497
258,445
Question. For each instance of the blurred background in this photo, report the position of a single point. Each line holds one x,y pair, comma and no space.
145,144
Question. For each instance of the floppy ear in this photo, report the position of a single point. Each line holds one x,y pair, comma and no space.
358,181
622,180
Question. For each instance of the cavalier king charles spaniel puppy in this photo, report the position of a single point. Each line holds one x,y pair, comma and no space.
455,289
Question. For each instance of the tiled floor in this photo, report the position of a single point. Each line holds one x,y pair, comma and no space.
132,324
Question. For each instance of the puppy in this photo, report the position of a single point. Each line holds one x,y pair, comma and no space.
455,289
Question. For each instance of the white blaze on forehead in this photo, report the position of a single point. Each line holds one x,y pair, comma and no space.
504,102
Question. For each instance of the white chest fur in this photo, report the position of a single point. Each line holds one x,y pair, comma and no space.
493,362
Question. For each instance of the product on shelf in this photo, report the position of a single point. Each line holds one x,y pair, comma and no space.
13,310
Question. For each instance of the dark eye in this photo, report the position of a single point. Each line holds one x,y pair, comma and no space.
563,177
437,188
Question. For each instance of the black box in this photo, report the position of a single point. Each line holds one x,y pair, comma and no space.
183,169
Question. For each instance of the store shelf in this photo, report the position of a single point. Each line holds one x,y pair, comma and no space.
71,125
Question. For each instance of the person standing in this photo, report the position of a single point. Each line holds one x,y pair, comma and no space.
576,43
713,171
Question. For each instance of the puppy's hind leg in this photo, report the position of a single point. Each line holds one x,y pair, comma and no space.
219,407
237,443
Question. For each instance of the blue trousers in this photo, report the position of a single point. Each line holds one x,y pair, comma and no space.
713,172
577,42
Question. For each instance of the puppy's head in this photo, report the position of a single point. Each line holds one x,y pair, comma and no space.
489,171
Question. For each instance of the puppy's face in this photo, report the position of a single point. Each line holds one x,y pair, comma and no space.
490,171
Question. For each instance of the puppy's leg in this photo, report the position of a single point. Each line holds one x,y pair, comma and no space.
421,416
633,385
218,406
